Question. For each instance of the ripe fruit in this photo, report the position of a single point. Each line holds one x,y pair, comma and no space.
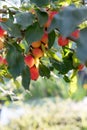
80,66
36,44
2,32
34,73
29,60
62,41
1,43
44,38
3,61
51,14
76,33
47,24
37,52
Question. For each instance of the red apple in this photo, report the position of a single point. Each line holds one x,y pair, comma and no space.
37,52
51,14
80,66
2,32
34,73
29,60
44,38
62,41
76,34
36,44
1,60
5,61
47,24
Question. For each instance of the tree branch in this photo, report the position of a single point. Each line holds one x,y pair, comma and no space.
4,11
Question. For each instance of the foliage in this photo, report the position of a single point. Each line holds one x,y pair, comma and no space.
57,29
52,87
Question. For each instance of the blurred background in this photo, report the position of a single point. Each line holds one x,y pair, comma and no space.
50,104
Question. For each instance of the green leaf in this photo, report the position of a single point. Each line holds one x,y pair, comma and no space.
24,45
34,33
15,61
68,19
2,80
44,71
69,64
26,77
68,61
59,66
40,2
67,55
53,55
66,78
42,17
76,61
51,37
54,0
62,67
11,28
82,46
24,19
